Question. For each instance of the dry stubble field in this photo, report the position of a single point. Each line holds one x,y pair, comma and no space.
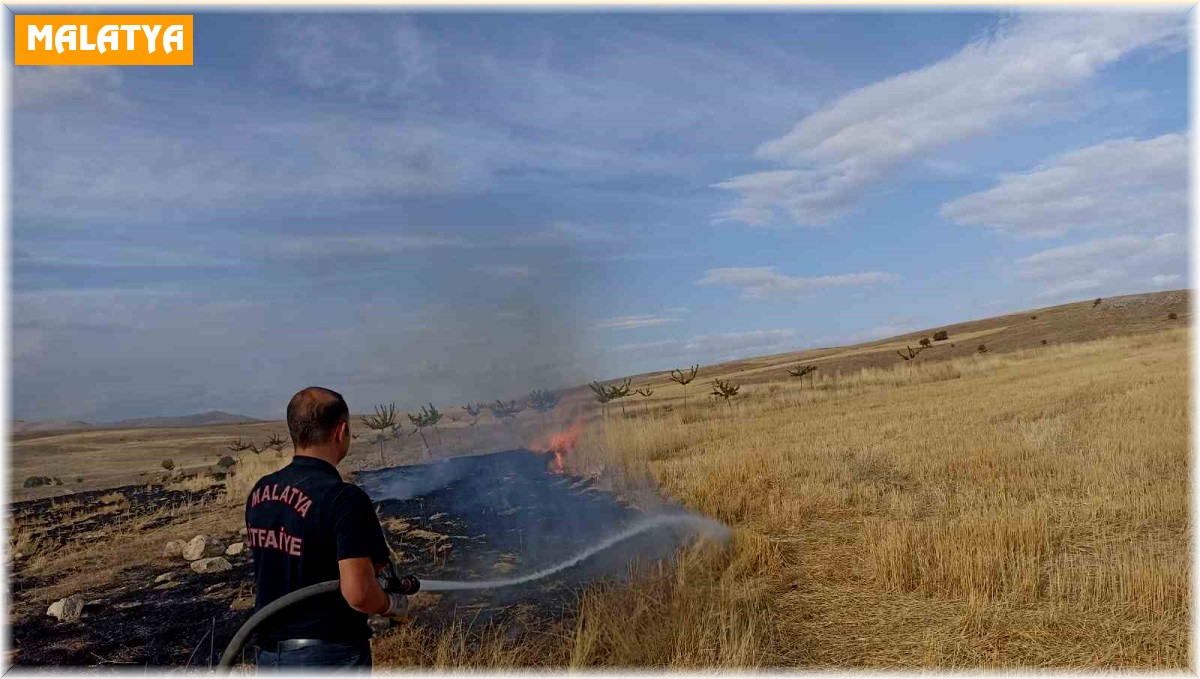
1027,509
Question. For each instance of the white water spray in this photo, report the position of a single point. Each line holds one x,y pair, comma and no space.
714,529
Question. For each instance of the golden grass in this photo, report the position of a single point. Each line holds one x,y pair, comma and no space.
1027,509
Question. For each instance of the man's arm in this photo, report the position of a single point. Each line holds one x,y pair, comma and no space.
361,588
361,551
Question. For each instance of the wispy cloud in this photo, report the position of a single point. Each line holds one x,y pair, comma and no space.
365,245
721,347
836,155
1119,184
105,256
358,59
1106,264
765,283
565,234
136,174
40,86
505,271
893,327
632,322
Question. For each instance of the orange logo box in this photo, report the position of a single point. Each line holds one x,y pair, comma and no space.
102,39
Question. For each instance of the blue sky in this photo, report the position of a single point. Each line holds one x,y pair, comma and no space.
457,206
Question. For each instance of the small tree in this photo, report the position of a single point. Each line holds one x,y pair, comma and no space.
601,394
683,379
428,417
507,412
1097,302
168,464
645,392
1033,318
383,419
941,335
253,447
238,446
226,463
1044,342
617,392
912,353
473,410
802,370
982,348
1172,316
925,342
432,417
543,400
275,442
725,390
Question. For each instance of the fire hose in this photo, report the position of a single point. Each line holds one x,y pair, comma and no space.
407,584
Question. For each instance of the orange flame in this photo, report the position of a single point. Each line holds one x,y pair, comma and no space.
560,443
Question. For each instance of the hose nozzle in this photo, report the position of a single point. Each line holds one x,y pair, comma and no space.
407,584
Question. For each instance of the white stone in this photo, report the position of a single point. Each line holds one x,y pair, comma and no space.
235,549
202,546
215,564
68,609
174,548
164,578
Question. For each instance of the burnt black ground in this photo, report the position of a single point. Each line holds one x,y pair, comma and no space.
469,518
503,515
78,515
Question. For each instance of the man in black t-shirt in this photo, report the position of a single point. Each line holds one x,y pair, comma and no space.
304,525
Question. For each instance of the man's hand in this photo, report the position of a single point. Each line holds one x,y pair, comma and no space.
397,605
392,580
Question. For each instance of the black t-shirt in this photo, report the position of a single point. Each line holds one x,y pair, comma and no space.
300,521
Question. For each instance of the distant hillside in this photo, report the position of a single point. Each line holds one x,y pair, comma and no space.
32,427
197,420
1074,322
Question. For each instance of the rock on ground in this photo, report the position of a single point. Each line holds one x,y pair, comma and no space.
242,603
68,609
164,578
174,548
215,564
235,549
201,547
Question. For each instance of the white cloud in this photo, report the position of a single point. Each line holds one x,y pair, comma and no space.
372,245
722,347
764,283
126,171
564,234
1119,184
359,59
1166,280
104,256
632,322
891,328
834,156
1127,263
36,86
502,271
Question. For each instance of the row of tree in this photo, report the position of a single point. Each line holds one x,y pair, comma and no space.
386,422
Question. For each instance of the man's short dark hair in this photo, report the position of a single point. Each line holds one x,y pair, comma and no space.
313,414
